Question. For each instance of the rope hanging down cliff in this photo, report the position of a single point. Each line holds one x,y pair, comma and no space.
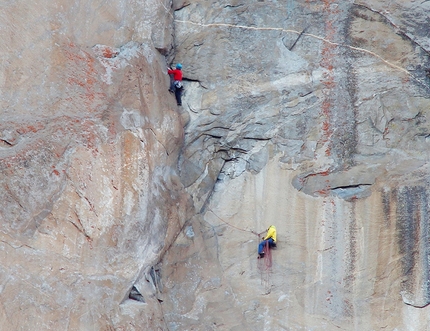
235,227
264,262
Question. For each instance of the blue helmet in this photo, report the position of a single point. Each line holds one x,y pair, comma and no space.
178,66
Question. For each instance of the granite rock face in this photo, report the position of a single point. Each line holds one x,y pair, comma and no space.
312,116
309,115
89,145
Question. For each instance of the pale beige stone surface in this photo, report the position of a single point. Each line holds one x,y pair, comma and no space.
89,141
322,133
309,115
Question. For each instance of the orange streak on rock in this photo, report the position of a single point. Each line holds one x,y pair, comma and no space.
327,55
30,128
83,74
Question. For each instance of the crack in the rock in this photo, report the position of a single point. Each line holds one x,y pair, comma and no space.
346,187
91,206
136,295
392,120
14,196
208,133
258,139
234,6
326,249
302,95
219,126
16,247
6,143
156,138
399,30
417,306
387,128
192,109
232,149
81,229
211,135
184,6
195,80
358,49
190,79
373,126
423,135
295,42
312,174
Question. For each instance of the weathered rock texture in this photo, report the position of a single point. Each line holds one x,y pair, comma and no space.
309,115
312,116
89,143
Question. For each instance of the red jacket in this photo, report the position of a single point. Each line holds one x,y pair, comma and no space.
177,74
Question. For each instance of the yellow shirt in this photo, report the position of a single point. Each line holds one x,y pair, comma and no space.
271,233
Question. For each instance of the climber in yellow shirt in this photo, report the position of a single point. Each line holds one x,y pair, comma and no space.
269,239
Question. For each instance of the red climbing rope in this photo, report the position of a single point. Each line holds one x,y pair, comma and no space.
267,256
264,265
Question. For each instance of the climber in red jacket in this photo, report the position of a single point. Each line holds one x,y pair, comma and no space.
176,84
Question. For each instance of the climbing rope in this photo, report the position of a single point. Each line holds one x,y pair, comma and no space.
233,226
264,265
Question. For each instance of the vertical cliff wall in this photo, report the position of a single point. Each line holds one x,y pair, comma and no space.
312,116
309,115
89,142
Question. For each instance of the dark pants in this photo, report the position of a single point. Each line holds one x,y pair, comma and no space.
178,95
263,243
177,91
